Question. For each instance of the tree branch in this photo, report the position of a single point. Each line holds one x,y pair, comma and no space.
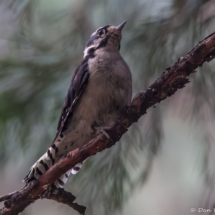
174,78
61,196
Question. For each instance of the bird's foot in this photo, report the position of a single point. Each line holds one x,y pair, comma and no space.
104,129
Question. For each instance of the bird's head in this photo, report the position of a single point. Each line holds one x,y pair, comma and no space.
107,37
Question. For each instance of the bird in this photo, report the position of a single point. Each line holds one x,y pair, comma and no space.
100,88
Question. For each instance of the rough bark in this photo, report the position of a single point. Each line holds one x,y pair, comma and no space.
174,78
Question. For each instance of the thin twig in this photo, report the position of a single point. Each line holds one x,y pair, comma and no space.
62,196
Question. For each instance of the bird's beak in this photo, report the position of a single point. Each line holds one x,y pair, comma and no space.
120,27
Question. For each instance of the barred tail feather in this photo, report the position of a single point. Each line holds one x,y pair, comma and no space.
62,180
45,162
41,166
76,168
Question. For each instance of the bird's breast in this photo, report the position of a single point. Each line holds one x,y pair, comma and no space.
110,80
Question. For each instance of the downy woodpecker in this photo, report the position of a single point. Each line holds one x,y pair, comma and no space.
101,87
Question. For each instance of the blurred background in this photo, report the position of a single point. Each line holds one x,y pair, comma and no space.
164,164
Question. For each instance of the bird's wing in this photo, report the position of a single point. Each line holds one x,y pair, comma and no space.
77,86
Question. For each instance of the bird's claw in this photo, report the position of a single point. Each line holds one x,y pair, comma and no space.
103,130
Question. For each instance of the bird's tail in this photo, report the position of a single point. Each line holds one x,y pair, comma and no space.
44,163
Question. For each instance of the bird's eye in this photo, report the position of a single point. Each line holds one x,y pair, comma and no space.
100,32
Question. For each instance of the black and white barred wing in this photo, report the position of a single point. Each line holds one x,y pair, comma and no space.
77,86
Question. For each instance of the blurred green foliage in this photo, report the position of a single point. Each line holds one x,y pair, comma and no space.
41,44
